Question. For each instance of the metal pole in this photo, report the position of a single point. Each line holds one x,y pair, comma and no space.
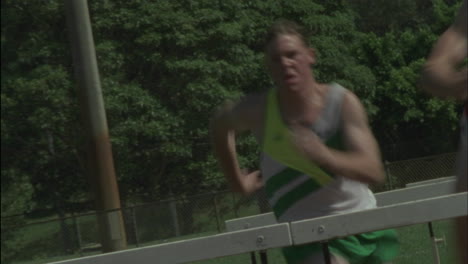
326,252
135,227
78,233
263,257
253,260
234,205
101,166
435,249
173,209
216,212
389,177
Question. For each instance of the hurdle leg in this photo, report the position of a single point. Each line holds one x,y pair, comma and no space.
253,260
263,257
326,252
435,249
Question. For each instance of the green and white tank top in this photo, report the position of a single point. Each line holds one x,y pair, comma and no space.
296,188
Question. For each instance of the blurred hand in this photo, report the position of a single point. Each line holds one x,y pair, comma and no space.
309,144
253,180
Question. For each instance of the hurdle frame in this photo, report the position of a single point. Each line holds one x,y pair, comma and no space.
287,234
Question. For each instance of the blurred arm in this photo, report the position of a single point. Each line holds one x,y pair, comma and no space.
440,75
361,161
229,119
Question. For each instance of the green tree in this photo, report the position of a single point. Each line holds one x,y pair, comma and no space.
414,124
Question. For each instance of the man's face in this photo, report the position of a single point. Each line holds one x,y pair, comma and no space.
289,61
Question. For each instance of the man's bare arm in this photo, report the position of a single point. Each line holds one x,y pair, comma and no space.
441,75
361,161
232,118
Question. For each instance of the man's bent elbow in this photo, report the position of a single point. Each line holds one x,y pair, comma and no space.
377,178
374,176
242,190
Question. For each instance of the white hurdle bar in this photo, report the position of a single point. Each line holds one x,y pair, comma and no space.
436,180
286,234
209,247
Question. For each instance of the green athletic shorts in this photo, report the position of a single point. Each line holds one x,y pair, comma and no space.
368,248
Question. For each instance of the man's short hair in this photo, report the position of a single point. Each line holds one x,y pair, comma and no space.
285,27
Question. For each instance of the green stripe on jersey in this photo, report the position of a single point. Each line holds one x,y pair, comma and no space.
280,179
295,195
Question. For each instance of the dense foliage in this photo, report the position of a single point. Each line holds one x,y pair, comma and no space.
165,65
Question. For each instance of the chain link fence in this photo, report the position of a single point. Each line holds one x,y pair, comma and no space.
400,173
146,224
201,215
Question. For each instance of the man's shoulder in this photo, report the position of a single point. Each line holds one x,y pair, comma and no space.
353,110
343,94
251,109
350,99
347,94
253,102
337,86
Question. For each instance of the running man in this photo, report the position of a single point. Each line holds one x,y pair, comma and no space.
445,76
319,153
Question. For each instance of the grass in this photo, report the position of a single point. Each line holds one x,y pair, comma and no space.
274,257
416,245
40,241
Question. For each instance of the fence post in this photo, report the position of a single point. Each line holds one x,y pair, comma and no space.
216,212
389,177
65,233
175,219
77,233
135,226
234,205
